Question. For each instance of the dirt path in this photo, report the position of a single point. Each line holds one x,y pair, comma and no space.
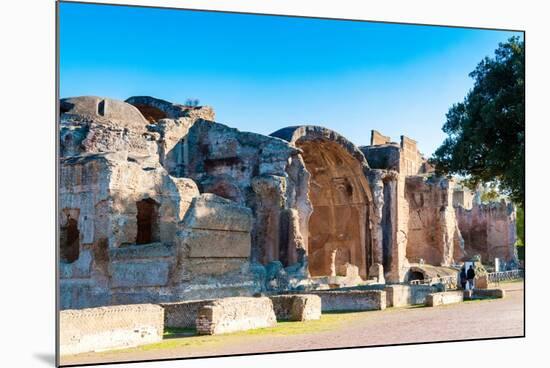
469,320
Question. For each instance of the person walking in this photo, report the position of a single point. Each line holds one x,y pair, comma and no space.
463,278
471,275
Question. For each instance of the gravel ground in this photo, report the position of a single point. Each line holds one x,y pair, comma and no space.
469,320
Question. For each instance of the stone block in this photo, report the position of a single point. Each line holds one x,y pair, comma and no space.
213,266
398,295
446,297
351,300
489,293
183,314
296,307
97,329
482,282
419,293
133,274
235,314
142,251
209,211
376,271
217,244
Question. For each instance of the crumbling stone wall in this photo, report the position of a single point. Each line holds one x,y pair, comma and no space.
125,233
296,307
170,110
339,228
183,314
433,234
489,230
403,295
263,173
102,328
235,314
351,300
463,197
412,228
291,211
446,297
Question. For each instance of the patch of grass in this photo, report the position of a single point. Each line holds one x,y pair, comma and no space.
187,338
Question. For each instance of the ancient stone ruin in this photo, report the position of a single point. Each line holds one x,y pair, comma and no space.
160,203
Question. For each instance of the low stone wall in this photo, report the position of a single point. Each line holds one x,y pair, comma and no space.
105,328
397,295
489,293
296,307
351,300
403,295
183,314
235,314
446,297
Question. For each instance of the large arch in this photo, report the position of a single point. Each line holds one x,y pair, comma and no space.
339,226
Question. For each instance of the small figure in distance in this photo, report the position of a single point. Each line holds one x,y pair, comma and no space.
471,275
463,278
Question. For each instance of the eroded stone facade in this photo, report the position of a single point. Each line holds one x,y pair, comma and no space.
160,203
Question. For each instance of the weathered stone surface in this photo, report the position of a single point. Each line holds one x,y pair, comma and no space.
489,293
213,266
94,124
145,251
307,203
93,107
235,314
130,274
340,196
398,295
96,329
148,104
352,300
183,314
446,297
218,244
403,295
489,230
482,282
296,307
376,271
433,235
216,213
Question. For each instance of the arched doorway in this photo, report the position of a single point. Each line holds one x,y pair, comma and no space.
338,227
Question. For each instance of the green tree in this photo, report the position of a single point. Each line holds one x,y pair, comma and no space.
486,132
520,226
490,195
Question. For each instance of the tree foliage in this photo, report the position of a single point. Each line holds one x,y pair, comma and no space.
490,196
520,226
486,132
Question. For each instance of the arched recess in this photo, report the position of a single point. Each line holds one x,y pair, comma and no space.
339,226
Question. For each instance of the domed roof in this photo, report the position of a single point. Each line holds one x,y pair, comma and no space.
93,107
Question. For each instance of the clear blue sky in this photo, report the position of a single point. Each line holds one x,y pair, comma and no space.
262,73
